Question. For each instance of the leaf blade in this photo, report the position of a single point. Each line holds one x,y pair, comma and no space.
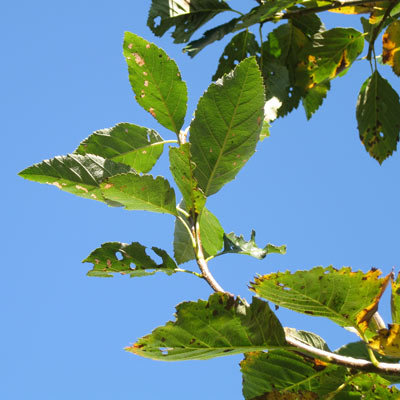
76,174
156,81
378,117
106,262
141,192
214,328
226,127
129,144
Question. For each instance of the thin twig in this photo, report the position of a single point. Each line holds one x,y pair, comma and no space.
376,31
201,262
349,362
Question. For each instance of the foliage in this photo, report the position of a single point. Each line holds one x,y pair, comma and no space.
256,82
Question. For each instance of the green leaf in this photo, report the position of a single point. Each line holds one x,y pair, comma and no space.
309,338
218,327
227,125
186,17
105,260
141,192
129,144
372,387
211,233
241,46
210,36
378,116
76,174
156,81
237,244
182,168
347,298
314,98
263,12
395,300
332,52
280,371
309,24
280,58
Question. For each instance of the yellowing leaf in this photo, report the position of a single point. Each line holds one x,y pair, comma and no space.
360,9
364,316
395,300
391,46
387,342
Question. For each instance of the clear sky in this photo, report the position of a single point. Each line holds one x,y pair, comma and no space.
311,185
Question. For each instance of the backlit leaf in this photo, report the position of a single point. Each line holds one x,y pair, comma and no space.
182,168
378,116
391,47
372,387
76,174
125,143
332,52
395,300
237,244
280,371
359,9
141,192
211,233
227,125
218,327
314,98
210,36
156,81
387,341
241,46
347,298
115,257
185,16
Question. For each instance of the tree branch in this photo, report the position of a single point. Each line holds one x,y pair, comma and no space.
316,10
349,362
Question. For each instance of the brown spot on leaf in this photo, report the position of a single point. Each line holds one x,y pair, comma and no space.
152,112
146,83
108,185
130,45
214,313
56,184
138,59
109,263
147,45
79,187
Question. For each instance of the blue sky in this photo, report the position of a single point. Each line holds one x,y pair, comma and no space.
311,186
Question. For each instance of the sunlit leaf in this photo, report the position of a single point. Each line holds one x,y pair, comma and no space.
156,81
218,327
347,298
380,11
115,257
227,125
185,16
125,143
358,9
395,300
378,116
182,168
391,46
280,371
76,174
211,233
141,192
241,46
372,387
237,244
